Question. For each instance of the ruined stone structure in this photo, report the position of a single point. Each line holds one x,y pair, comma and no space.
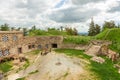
13,42
98,47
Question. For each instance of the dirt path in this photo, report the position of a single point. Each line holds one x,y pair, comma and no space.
53,67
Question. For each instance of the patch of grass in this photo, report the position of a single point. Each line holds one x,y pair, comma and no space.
51,32
77,39
105,71
34,72
5,67
21,78
111,35
73,52
66,74
115,46
35,52
26,64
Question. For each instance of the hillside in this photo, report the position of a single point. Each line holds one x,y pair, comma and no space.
112,35
109,34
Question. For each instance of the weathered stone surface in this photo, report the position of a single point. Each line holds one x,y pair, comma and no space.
93,50
1,76
112,55
98,47
103,50
98,59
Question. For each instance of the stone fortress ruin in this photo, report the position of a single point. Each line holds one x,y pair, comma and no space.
13,42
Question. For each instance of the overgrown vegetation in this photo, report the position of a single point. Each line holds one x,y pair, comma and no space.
73,52
5,67
105,71
52,32
34,52
34,72
77,39
21,78
27,63
111,35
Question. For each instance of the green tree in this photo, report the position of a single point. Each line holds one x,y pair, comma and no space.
5,27
92,31
71,31
34,27
12,28
109,24
75,31
25,32
18,29
97,29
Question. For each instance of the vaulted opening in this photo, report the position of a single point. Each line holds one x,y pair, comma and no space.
20,50
54,46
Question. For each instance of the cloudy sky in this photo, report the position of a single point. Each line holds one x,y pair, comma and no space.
55,13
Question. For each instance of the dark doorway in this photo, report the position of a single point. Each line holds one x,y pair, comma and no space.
29,46
33,46
20,50
54,46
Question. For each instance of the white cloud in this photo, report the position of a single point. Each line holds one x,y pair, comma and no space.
44,13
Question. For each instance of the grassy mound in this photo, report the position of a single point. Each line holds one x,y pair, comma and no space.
5,67
77,39
109,34
112,35
46,33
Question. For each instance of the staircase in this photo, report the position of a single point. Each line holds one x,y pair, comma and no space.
93,50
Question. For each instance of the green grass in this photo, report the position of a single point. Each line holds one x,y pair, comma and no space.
46,33
66,74
21,78
5,67
102,34
27,63
77,39
73,52
34,52
105,71
110,34
34,72
115,46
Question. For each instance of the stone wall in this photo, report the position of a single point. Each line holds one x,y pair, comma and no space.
49,41
74,46
13,42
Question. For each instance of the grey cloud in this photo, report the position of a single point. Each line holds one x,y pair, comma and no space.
115,9
33,7
72,15
81,2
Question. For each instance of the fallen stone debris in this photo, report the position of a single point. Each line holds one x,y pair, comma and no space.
98,59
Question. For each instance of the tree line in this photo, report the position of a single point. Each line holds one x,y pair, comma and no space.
95,29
